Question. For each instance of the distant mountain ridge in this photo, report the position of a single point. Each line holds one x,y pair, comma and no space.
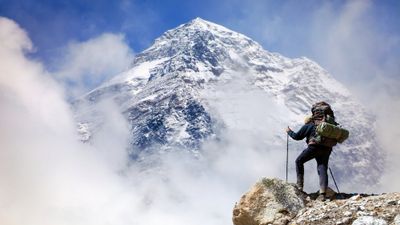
160,95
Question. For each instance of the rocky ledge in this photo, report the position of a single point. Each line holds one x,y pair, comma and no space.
273,201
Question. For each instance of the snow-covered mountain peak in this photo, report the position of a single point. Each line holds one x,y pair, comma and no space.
200,39
200,27
161,94
201,24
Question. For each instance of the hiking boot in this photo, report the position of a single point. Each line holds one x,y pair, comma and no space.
321,197
300,183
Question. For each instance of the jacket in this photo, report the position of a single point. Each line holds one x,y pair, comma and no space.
306,131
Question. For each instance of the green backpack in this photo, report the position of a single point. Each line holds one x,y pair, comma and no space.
331,131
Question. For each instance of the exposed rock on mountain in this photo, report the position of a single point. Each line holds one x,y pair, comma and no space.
273,201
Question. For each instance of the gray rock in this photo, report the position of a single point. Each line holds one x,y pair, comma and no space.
362,214
369,220
269,201
391,202
345,220
347,213
396,220
356,197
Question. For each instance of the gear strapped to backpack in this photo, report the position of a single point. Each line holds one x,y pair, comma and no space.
327,131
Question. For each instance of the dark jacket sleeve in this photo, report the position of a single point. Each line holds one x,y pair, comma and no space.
304,131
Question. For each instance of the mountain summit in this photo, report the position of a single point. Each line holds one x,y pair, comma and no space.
162,96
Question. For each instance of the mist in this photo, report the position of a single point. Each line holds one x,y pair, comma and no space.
357,42
357,51
84,65
48,176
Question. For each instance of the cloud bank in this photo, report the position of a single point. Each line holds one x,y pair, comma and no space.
85,65
357,51
49,177
358,42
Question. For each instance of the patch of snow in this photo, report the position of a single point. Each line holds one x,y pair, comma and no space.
139,72
149,98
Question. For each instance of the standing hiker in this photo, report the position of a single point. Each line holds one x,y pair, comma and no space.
319,148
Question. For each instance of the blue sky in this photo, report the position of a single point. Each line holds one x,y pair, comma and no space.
52,24
333,33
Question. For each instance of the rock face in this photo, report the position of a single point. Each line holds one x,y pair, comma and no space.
269,201
272,201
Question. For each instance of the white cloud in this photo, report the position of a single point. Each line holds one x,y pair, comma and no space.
17,44
46,174
19,77
349,42
86,64
49,177
354,40
351,45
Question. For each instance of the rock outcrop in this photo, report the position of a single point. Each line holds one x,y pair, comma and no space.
269,201
273,201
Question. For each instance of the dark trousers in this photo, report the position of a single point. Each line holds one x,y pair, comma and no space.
321,155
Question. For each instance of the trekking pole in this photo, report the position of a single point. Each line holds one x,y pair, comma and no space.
334,181
287,156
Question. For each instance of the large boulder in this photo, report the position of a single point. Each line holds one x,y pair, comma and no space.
269,201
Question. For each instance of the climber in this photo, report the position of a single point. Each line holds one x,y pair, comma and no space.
315,149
